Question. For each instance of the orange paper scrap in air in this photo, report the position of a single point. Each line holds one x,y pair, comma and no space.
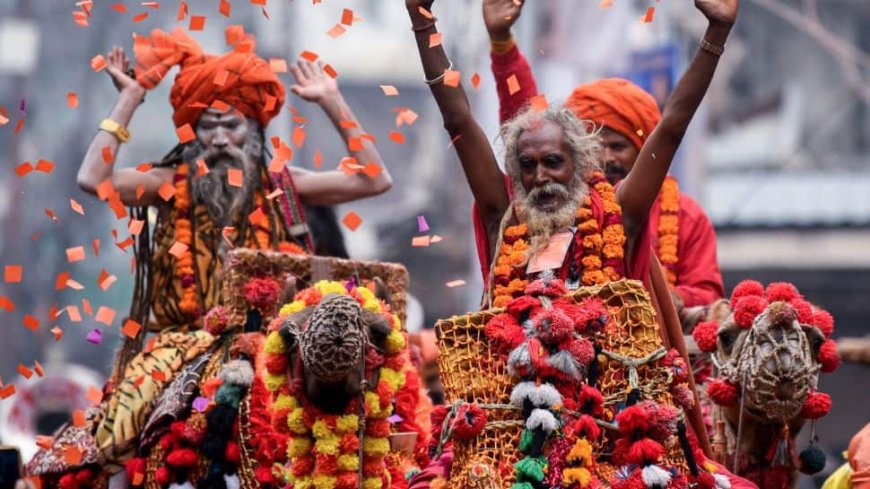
455,283
105,315
435,39
605,4
166,191
6,304
24,371
61,280
336,31
197,23
95,396
131,328
452,78
539,103
37,367
475,80
78,418
72,100
12,274
7,391
76,206
397,137
420,241
23,169
648,17
278,65
44,166
178,249
298,137
74,314
98,63
185,133
347,16
140,17
75,253
44,442
329,70
30,322
105,189
309,56
235,177
57,332
389,90
513,84
372,169
224,8
352,220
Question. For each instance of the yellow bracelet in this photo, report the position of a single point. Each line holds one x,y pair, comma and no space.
501,47
118,130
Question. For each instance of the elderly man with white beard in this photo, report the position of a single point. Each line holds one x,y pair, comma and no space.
215,190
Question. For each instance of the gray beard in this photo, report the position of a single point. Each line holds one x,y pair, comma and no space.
223,201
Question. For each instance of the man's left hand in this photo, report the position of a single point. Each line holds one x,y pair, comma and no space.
718,12
312,83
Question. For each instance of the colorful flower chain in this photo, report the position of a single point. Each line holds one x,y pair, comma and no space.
323,448
600,252
669,227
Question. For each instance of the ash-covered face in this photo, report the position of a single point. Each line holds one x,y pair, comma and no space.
225,141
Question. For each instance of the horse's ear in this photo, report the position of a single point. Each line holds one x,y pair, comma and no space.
382,292
719,310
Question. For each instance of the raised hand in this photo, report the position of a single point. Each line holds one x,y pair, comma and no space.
414,5
117,67
718,12
499,16
312,83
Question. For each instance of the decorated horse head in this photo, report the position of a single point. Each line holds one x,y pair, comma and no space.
344,389
769,347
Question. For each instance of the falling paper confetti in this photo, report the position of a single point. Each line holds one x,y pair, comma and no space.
95,336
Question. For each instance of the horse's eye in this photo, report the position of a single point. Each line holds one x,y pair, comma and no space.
726,340
816,343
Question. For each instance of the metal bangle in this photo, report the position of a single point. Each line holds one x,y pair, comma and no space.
711,48
438,79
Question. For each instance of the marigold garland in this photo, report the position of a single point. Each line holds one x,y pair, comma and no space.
600,251
324,448
669,227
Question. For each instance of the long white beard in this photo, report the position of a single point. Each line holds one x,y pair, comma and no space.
543,224
223,201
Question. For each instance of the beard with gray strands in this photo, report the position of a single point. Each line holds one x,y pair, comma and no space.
543,223
223,201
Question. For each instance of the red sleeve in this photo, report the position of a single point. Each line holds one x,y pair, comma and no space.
436,468
503,67
480,237
699,281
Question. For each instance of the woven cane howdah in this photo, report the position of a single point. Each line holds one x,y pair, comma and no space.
473,371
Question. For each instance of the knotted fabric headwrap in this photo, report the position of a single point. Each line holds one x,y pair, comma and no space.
618,104
332,343
239,78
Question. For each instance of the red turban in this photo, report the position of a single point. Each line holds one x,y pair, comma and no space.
618,104
239,78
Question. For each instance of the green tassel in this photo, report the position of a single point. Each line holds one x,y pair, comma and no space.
523,485
531,469
526,440
229,395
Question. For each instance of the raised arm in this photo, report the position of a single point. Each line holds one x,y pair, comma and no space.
336,187
94,170
507,60
639,189
475,153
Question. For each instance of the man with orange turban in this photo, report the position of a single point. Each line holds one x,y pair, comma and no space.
680,232
217,189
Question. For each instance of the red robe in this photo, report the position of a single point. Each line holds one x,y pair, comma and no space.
699,281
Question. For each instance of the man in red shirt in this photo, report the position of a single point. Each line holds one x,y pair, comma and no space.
678,229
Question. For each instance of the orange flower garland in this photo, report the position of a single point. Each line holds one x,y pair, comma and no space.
600,253
184,235
669,227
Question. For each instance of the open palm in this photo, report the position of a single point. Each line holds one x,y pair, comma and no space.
117,66
718,11
500,15
312,83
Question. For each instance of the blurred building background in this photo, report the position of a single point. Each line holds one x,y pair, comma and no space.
778,154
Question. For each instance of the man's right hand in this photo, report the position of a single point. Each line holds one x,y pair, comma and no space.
117,66
415,5
499,16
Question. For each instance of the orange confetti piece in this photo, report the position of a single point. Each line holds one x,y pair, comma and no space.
24,371
105,189
78,418
98,63
7,391
452,78
106,280
72,100
178,249
119,7
140,17
605,4
57,332
158,375
74,254
372,169
455,283
61,280
44,442
72,455
309,56
397,137
235,177
318,159
425,13
138,479
475,80
197,23
135,226
86,305
513,84
352,220
80,18
75,206
95,244
166,191
329,70
185,134
182,11
37,367
298,137
539,103
74,314
435,39
108,156
225,8
278,65
347,16
648,17
30,322
105,315
144,167
23,169
274,193
12,274
389,90
336,31
420,241
354,144
94,395
6,304
44,166
131,328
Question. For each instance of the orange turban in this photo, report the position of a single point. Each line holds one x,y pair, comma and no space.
239,78
618,104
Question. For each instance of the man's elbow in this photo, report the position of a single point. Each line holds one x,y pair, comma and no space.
456,122
382,185
86,183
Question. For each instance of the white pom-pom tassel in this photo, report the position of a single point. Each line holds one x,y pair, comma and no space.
564,362
655,476
186,485
722,481
232,481
521,392
545,395
542,419
520,359
238,372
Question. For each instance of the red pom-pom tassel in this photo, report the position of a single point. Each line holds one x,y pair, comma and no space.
781,291
824,321
722,392
747,308
817,405
747,288
828,356
706,335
